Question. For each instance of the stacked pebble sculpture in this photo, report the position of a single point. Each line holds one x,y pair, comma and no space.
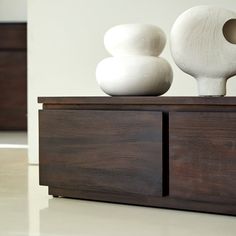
134,68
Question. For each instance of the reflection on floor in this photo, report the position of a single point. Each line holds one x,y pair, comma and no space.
26,209
13,139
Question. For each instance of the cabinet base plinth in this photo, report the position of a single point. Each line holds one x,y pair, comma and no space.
164,202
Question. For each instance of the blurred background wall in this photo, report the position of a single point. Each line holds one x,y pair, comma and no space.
13,10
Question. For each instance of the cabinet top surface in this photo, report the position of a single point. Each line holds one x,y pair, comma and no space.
148,100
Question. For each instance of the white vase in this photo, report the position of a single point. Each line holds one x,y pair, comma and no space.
134,69
203,44
135,39
134,75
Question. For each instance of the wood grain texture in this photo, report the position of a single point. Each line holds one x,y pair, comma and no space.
203,156
13,77
118,152
62,148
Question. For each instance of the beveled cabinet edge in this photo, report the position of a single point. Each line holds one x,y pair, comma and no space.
145,100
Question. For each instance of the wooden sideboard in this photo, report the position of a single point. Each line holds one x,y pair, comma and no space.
13,76
170,152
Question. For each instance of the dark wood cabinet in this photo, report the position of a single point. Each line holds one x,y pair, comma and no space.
203,156
171,152
119,152
13,76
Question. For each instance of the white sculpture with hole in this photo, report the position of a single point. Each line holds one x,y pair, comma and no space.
135,68
203,44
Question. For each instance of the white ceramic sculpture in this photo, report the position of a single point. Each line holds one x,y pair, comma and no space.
203,44
135,39
135,68
134,75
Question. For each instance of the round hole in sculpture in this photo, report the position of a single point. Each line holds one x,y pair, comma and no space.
229,31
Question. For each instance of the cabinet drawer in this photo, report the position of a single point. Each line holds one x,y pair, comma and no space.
203,156
116,152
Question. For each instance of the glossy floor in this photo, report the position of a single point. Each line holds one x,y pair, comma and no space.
26,209
13,139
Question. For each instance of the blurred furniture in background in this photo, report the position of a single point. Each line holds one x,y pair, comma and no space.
13,76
